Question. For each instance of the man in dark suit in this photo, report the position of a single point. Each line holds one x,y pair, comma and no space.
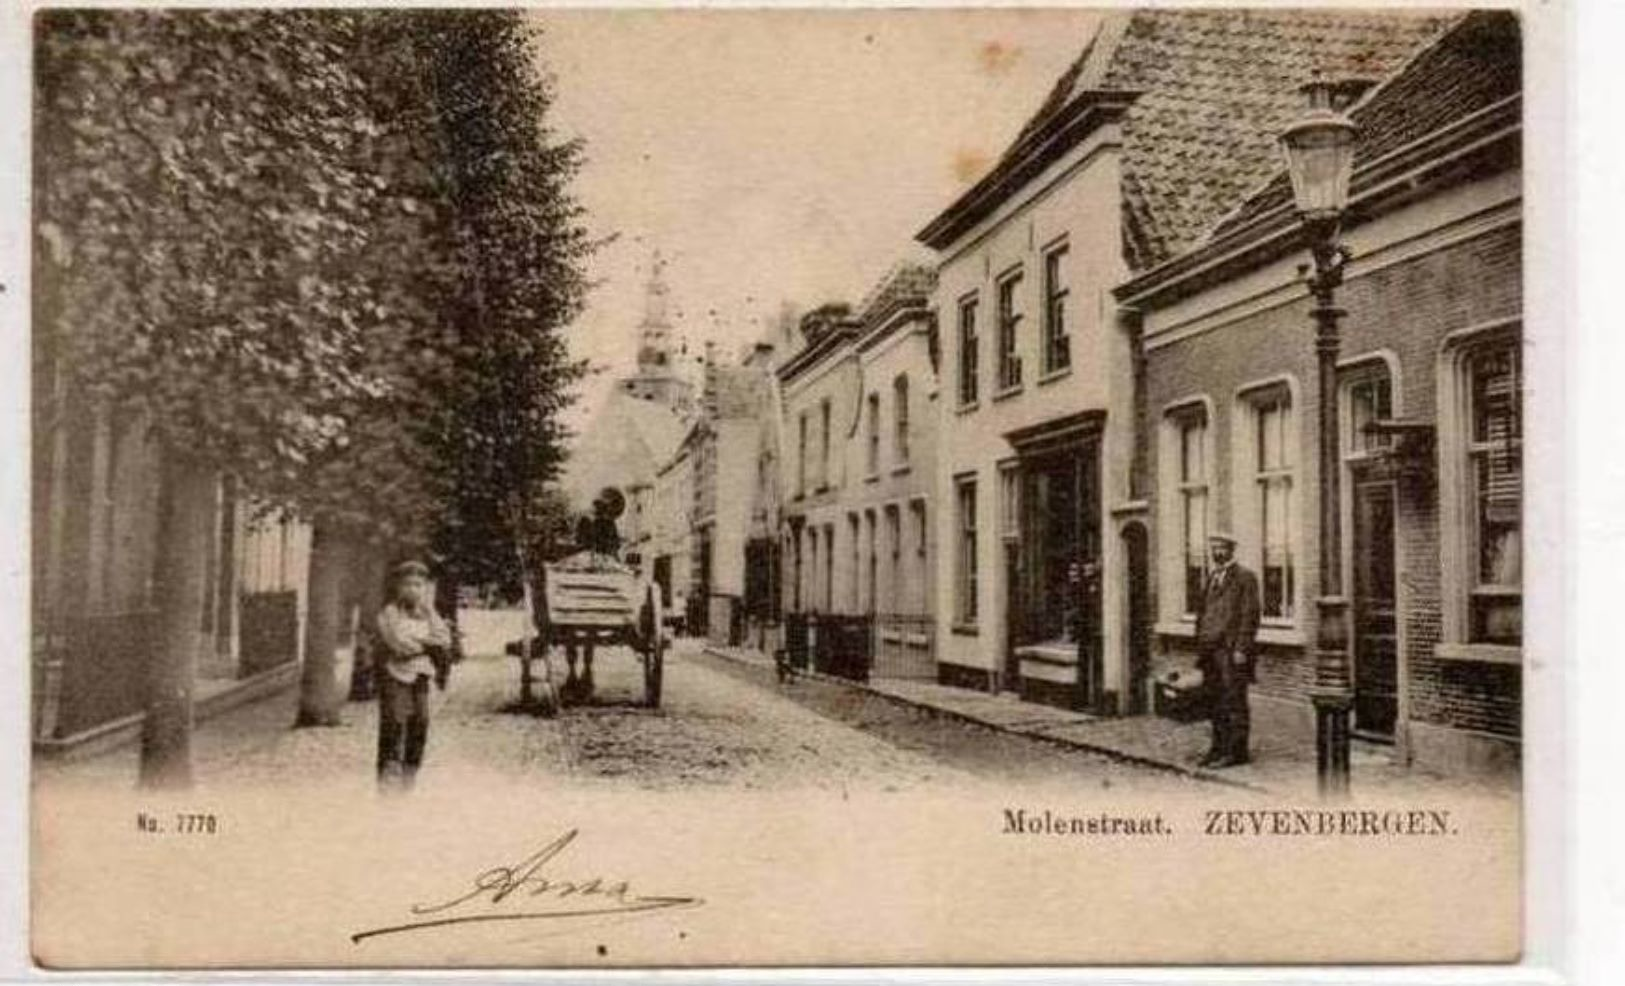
1226,632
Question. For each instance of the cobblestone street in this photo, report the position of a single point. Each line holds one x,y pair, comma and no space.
719,724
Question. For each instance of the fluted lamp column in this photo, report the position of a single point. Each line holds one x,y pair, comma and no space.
1319,150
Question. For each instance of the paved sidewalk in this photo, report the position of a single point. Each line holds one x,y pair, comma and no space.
1282,764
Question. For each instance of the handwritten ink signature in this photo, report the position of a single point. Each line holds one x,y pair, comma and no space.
526,881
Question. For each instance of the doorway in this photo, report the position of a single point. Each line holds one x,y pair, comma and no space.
1136,556
1375,611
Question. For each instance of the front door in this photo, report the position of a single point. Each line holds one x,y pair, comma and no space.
1137,557
1376,640
1013,609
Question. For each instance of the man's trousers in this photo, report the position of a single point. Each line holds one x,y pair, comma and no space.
1227,699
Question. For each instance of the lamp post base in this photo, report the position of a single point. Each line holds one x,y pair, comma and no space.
1333,696
1332,712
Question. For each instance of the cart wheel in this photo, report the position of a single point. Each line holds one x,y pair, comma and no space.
653,648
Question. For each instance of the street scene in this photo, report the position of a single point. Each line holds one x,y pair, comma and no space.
719,725
588,487
439,394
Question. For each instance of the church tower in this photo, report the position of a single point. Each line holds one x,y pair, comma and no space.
658,378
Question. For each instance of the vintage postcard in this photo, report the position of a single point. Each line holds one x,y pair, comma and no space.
553,488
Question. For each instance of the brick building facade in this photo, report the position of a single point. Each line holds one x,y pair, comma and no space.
1429,407
1164,122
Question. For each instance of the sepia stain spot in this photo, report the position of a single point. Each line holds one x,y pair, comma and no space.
997,58
969,164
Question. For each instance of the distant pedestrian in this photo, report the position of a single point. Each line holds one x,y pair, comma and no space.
1226,634
415,647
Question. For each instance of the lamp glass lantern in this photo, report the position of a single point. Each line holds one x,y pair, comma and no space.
1319,152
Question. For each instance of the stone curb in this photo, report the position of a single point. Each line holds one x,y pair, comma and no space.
1111,752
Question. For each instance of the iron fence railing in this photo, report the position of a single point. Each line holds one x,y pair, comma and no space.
904,646
843,645
862,646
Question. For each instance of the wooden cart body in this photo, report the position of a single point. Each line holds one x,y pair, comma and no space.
592,600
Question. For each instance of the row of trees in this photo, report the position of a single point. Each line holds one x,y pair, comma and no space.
328,255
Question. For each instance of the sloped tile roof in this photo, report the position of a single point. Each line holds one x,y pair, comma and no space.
1218,87
1211,89
1477,63
905,283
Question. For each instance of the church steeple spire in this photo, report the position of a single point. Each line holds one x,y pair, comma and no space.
658,377
654,343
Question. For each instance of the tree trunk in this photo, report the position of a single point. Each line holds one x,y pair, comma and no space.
370,571
320,698
187,493
445,603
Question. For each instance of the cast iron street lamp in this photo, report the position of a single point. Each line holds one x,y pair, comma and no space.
1319,149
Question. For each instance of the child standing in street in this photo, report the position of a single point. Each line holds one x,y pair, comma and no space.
415,644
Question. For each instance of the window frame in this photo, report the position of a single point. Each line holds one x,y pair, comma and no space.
966,547
1249,500
854,528
1009,514
1192,422
803,431
1278,476
1458,565
826,440
1355,447
872,436
919,509
968,358
1008,317
1477,450
829,567
902,450
871,595
1057,336
893,519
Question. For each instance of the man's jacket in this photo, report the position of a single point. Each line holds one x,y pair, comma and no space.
1227,617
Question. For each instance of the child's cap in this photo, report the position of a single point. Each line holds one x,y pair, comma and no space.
412,567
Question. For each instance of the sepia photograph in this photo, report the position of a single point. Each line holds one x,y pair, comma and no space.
578,488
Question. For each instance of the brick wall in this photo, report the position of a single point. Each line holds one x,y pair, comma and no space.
1407,309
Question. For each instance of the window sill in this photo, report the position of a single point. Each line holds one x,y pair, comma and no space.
1057,374
968,408
1279,636
1060,654
1283,636
1007,393
822,488
873,477
965,630
1483,653
902,469
1181,628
